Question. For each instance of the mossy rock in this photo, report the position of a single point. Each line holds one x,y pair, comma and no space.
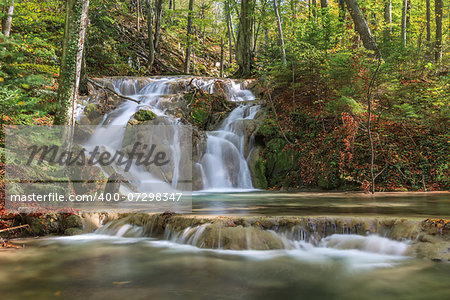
144,115
259,173
93,111
72,221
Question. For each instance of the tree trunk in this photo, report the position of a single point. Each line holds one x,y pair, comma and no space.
7,21
244,55
404,14
158,16
189,32
138,13
229,30
221,57
325,20
314,8
150,41
280,32
438,11
388,19
428,21
362,27
76,21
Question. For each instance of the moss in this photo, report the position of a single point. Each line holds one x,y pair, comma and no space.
278,162
260,175
144,115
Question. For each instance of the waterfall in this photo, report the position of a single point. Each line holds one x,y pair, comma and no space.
224,163
222,166
218,236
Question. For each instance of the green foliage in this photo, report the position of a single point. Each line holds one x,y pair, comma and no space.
343,105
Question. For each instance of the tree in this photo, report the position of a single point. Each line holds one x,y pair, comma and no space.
189,42
388,19
244,54
280,32
361,26
150,41
404,22
428,21
76,21
7,21
138,16
158,17
231,38
438,11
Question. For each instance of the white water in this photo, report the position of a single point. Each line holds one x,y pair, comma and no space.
352,251
223,166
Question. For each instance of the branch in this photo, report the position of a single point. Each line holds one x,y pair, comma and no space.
111,91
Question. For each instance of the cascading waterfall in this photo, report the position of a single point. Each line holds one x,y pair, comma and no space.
224,163
296,241
223,166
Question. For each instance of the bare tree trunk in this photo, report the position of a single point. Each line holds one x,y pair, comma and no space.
73,45
280,32
138,12
244,54
229,30
150,41
438,11
189,32
313,8
7,22
361,26
428,21
325,20
221,57
158,17
404,14
388,19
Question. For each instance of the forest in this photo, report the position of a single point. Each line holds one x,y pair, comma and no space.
357,92
231,149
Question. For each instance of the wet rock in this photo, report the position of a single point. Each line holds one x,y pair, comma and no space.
73,231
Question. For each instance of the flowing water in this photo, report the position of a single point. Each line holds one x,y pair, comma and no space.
121,261
206,261
223,165
95,266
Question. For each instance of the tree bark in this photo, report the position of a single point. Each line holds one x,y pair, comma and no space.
361,26
388,19
221,57
314,8
138,13
280,32
404,14
189,32
428,21
7,22
150,41
229,30
158,17
76,21
438,11
323,3
244,55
